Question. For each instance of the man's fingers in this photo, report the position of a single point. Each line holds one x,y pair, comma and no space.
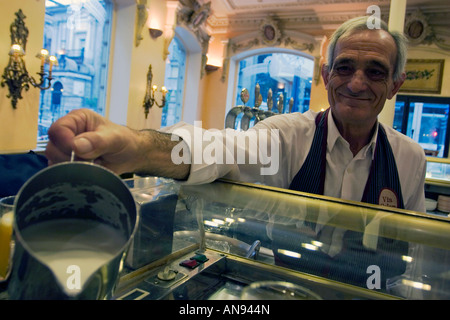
55,155
66,135
105,141
82,146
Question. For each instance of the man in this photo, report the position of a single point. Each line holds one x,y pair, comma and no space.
343,152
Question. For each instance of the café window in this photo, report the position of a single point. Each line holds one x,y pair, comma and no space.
174,82
286,74
78,33
426,121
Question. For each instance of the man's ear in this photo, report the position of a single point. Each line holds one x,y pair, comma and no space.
325,74
396,86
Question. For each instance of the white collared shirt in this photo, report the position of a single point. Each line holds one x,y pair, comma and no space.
346,176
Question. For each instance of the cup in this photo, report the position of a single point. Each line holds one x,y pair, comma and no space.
6,229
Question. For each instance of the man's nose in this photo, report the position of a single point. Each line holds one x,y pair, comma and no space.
358,82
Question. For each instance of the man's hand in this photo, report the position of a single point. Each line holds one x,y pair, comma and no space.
92,137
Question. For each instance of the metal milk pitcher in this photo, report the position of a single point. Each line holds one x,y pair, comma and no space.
73,225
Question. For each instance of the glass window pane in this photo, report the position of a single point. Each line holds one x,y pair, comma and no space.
77,32
174,82
286,74
398,116
428,126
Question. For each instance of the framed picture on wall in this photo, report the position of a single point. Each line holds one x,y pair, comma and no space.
423,76
270,34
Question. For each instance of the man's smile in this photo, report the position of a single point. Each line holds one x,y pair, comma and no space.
353,97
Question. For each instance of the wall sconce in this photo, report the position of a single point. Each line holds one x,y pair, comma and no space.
149,99
212,63
15,75
155,33
211,68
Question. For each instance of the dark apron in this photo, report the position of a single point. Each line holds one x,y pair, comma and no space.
350,265
383,172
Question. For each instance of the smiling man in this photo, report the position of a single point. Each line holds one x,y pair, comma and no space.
345,152
359,81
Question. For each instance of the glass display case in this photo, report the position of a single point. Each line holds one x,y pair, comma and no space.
438,171
437,186
222,240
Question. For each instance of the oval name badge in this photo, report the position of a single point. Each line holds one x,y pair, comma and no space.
388,198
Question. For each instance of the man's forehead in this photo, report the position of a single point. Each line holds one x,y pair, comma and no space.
346,60
370,44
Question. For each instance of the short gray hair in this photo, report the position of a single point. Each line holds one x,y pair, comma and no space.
360,23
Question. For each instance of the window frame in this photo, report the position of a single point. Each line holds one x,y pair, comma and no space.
408,99
233,73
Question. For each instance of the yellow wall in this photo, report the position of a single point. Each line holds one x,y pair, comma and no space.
18,127
319,97
129,64
149,51
214,97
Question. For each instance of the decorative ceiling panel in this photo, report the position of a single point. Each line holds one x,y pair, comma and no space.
313,17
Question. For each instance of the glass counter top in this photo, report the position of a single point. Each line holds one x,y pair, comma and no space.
324,241
438,171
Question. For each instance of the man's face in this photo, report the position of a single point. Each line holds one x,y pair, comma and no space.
361,80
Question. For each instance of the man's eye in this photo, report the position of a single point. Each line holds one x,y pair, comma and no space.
375,74
344,70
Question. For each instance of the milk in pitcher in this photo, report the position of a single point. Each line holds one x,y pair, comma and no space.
73,249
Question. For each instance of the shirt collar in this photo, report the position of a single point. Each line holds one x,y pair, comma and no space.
334,135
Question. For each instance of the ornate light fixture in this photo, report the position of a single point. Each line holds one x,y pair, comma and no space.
15,75
155,33
141,19
149,99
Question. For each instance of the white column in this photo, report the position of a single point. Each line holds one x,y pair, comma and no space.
396,22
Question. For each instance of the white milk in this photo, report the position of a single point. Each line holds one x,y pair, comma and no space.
73,248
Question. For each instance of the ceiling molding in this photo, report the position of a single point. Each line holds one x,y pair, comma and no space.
230,18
